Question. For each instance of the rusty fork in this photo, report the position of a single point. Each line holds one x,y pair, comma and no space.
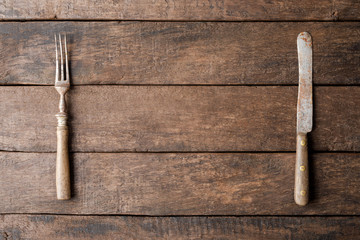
62,85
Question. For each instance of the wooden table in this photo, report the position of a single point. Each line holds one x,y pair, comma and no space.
183,120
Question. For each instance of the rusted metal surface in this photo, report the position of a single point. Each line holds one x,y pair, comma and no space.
304,119
305,101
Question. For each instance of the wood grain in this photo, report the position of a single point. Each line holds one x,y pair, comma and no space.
179,52
301,188
190,228
230,10
177,119
180,184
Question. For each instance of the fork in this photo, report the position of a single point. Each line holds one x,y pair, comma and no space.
62,157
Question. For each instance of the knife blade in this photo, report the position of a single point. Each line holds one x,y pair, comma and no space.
304,118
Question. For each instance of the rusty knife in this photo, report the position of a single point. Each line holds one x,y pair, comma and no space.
304,118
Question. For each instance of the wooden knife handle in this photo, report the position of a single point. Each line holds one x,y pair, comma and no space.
301,193
62,159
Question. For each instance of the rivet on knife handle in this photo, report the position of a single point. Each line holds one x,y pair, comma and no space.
304,118
62,85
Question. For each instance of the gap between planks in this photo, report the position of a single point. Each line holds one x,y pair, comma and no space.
194,152
172,21
182,85
182,216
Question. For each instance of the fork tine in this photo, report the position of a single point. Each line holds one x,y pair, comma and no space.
61,59
66,61
57,61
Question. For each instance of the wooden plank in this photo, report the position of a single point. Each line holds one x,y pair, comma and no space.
179,184
177,118
114,227
179,53
230,10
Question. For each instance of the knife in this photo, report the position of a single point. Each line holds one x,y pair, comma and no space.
304,118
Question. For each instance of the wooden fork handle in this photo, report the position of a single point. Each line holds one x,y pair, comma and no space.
301,193
62,159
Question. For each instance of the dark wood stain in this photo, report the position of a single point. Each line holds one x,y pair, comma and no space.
92,229
178,184
203,10
177,118
178,52
174,44
117,227
42,218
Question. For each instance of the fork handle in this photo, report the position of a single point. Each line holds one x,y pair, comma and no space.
62,159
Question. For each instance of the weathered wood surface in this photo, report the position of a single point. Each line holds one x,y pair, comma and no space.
179,53
230,10
177,118
116,227
180,184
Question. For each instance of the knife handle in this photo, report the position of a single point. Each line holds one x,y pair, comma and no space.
62,159
301,193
